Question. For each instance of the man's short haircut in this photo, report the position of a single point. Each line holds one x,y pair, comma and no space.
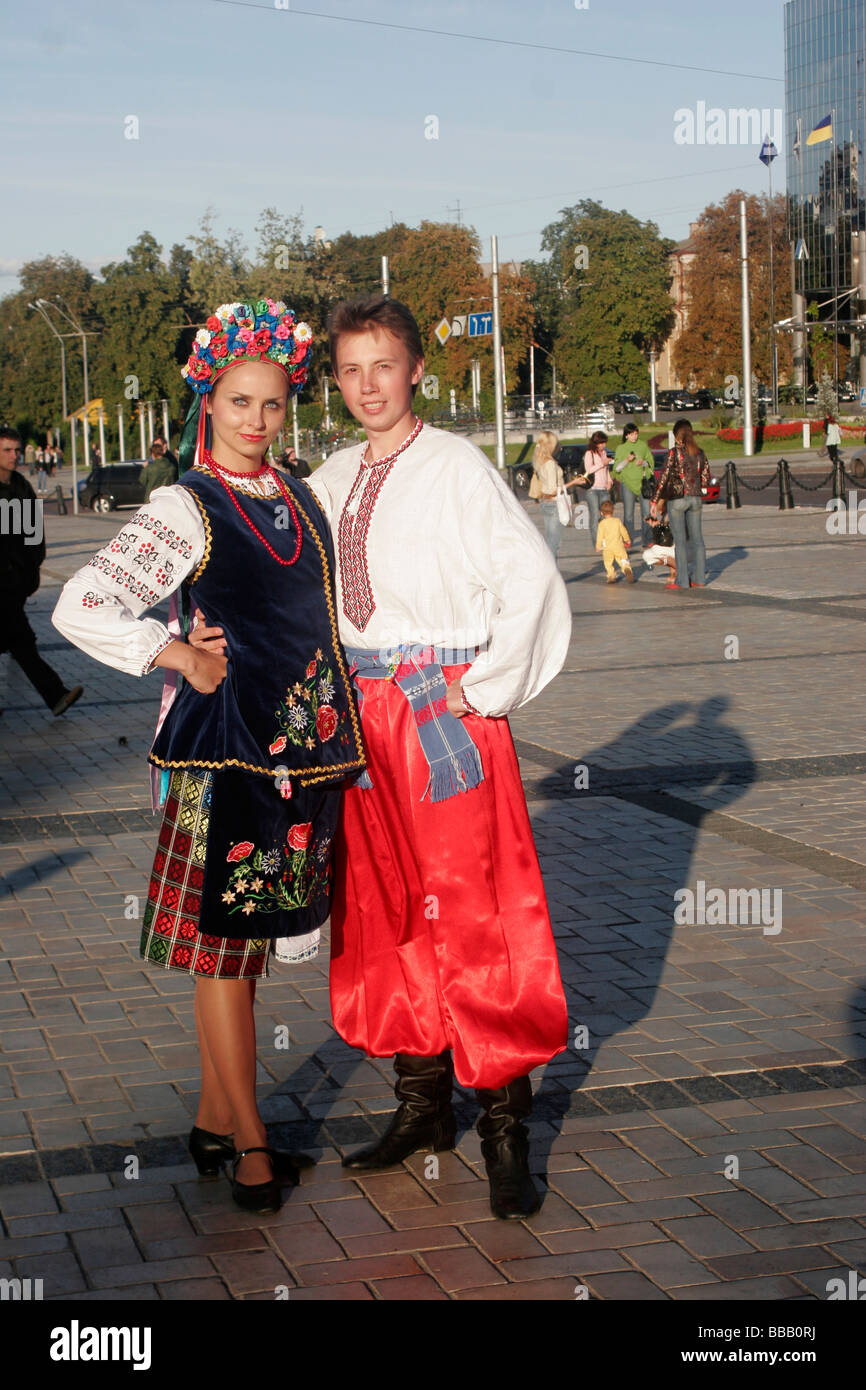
364,314
7,432
157,449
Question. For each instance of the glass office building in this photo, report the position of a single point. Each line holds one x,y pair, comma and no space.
825,76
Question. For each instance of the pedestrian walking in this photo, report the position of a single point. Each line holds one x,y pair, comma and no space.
249,768
614,542
547,486
22,551
30,458
686,473
596,466
832,438
42,456
634,469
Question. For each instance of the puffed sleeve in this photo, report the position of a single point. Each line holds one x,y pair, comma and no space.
530,626
100,608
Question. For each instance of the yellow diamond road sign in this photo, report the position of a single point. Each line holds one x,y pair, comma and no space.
443,331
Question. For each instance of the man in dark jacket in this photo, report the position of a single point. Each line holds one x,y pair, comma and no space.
22,550
159,471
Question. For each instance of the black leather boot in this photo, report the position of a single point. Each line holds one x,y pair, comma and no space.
424,1118
505,1146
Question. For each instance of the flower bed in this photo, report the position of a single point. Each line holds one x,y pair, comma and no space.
786,429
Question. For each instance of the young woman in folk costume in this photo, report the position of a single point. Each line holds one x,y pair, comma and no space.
249,757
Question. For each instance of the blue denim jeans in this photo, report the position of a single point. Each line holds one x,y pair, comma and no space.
628,500
684,517
553,527
594,498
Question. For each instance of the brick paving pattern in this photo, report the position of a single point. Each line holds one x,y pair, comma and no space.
706,1140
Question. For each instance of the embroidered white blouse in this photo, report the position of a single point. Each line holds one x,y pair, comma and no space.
100,608
434,548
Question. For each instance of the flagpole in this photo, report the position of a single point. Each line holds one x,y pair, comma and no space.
835,265
804,339
772,297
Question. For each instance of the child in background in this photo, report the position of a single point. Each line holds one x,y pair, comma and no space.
613,540
661,552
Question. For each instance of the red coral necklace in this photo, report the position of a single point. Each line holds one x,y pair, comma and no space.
217,469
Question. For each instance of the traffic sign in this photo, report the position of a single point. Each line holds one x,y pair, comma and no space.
480,325
458,325
442,331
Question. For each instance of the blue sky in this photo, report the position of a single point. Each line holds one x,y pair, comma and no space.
243,105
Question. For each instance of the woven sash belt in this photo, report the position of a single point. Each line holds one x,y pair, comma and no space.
452,757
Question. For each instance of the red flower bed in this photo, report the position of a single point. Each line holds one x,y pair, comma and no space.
786,429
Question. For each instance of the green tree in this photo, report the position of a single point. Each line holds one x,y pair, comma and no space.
602,298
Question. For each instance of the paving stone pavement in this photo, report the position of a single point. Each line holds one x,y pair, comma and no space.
705,1139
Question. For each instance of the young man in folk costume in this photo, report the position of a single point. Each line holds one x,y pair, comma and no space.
452,613
251,754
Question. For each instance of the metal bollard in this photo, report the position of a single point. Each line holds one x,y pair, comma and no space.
733,494
61,505
786,496
839,480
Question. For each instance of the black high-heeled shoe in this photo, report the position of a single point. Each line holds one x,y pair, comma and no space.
210,1151
259,1196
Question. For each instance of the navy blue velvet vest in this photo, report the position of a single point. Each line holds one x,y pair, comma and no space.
286,701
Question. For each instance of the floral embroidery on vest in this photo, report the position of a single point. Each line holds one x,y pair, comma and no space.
357,594
306,713
282,878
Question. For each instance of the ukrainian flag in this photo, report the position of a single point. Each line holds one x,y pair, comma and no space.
823,131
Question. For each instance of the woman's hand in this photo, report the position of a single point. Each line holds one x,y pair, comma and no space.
203,669
209,639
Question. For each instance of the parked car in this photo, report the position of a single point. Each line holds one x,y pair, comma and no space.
112,485
675,400
703,399
629,402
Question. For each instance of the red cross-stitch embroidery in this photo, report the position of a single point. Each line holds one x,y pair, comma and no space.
356,590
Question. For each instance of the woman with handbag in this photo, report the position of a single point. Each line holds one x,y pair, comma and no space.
549,488
596,467
634,469
681,485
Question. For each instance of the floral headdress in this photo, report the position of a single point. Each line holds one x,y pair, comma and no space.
265,331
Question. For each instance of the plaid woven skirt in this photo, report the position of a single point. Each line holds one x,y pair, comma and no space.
171,934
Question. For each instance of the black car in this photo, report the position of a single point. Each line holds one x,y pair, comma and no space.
629,403
112,485
703,399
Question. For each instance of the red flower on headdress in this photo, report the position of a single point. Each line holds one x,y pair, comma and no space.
299,374
262,339
198,369
299,353
218,345
213,323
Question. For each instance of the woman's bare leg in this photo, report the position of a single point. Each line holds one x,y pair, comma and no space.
226,1013
214,1111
